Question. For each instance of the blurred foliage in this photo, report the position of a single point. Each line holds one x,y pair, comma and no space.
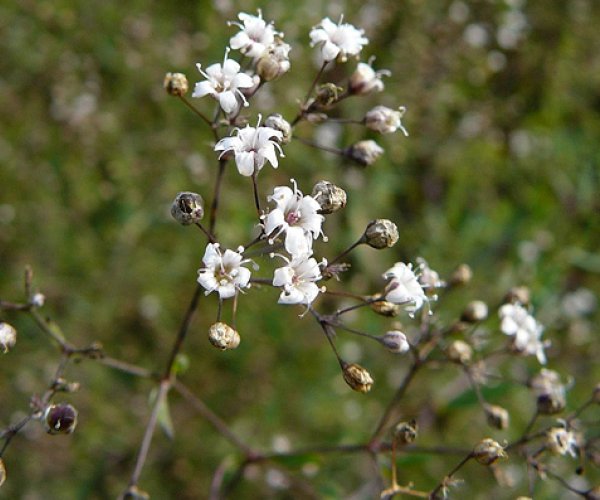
501,170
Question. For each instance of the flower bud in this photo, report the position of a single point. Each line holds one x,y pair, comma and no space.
497,416
364,153
60,418
176,84
459,352
223,337
518,294
549,391
381,233
38,299
461,275
327,95
8,337
331,197
551,403
277,122
385,120
187,208
357,377
385,307
488,451
274,62
395,341
475,312
406,432
365,80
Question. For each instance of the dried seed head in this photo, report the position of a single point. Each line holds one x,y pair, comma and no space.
223,337
357,377
497,416
475,312
8,337
176,84
327,95
364,153
395,341
60,418
277,122
488,451
381,233
187,208
459,352
331,197
518,294
406,432
461,275
561,441
385,308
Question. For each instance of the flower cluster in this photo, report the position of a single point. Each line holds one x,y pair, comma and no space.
524,330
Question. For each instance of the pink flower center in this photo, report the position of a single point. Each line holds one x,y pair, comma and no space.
292,218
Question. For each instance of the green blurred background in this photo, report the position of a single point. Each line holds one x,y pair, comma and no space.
501,171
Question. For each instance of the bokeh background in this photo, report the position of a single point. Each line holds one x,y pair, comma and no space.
501,171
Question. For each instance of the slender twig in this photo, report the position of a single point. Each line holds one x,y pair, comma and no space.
256,198
216,195
444,482
300,115
210,237
348,250
329,149
200,114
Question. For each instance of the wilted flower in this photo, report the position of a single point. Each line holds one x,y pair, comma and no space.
187,208
252,147
8,336
330,197
384,307
277,122
295,215
60,418
404,288
357,377
176,84
223,82
561,441
525,331
223,337
406,432
488,451
385,120
298,280
428,278
223,272
365,79
549,392
381,233
255,35
337,41
365,153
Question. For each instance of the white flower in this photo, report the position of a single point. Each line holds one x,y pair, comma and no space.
297,216
525,331
561,441
385,120
365,79
223,82
404,287
337,40
298,280
223,272
255,36
252,146
428,278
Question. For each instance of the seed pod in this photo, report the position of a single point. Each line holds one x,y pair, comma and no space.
459,352
357,377
461,275
475,312
187,208
406,432
223,337
488,451
364,153
331,197
381,233
497,416
277,122
8,337
176,84
60,418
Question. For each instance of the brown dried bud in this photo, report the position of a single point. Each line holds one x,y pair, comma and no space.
277,122
551,403
331,197
327,95
60,418
176,84
8,337
488,451
223,337
497,416
518,294
381,233
385,308
187,208
461,275
357,377
459,352
561,441
475,312
406,432
364,153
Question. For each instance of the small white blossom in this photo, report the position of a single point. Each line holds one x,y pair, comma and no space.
385,120
252,147
223,272
255,35
525,331
337,40
223,82
428,278
298,280
404,287
8,337
561,441
295,215
365,79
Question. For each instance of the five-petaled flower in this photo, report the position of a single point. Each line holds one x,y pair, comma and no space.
255,35
223,271
404,287
337,41
252,147
525,331
298,280
295,215
223,82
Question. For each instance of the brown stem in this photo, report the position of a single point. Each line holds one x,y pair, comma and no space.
215,203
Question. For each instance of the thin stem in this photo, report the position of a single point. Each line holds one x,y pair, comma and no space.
210,237
308,142
442,484
308,94
215,203
200,114
256,198
348,250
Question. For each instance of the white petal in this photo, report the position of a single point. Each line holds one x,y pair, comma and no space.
245,163
283,276
297,243
242,80
203,88
228,101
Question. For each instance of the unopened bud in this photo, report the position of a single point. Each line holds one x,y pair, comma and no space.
8,337
395,341
60,418
187,208
385,120
518,294
176,84
330,197
475,312
327,95
406,432
459,352
38,299
551,403
488,451
365,80
385,307
223,337
461,275
277,122
381,233
364,153
497,416
549,392
357,377
274,62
